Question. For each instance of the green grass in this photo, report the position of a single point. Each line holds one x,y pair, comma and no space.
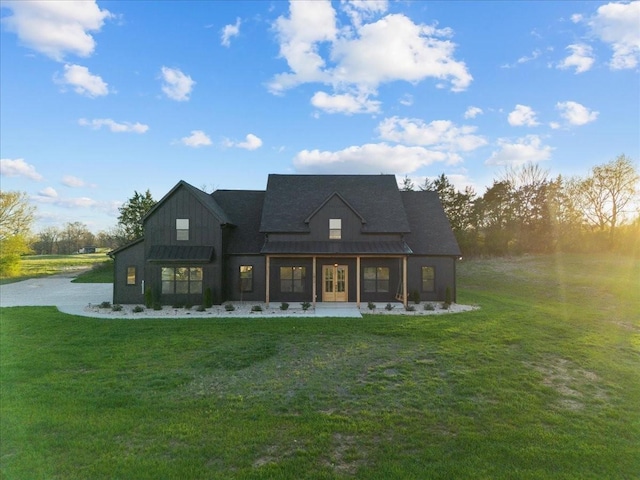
42,265
542,382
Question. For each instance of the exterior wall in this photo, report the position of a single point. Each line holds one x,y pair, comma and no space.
445,270
204,229
232,278
335,208
395,277
129,257
275,293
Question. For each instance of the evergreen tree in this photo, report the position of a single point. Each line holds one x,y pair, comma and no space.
132,213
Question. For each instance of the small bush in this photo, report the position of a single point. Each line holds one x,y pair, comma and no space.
371,306
410,308
116,308
207,301
429,307
306,306
389,307
445,306
148,297
157,305
201,308
105,305
138,309
188,306
284,306
415,297
229,307
256,308
447,297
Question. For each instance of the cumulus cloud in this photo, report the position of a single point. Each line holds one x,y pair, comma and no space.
73,182
473,112
176,85
252,142
197,139
56,29
616,24
522,115
48,192
369,158
581,58
524,150
441,135
228,32
82,81
576,114
18,168
98,123
344,103
362,55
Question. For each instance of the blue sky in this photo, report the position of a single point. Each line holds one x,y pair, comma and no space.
101,99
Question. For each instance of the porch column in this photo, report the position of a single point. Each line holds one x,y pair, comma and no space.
266,295
404,281
314,284
358,282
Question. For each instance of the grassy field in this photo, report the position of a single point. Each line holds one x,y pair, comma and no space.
542,382
43,265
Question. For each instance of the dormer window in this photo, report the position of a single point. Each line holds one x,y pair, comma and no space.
182,229
335,228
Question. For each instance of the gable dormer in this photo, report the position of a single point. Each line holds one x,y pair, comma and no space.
335,219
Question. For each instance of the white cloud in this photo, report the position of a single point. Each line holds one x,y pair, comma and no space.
98,123
73,182
617,25
230,31
18,168
83,81
581,58
360,56
575,113
523,115
48,192
439,134
177,86
406,100
344,103
56,28
473,112
369,158
526,149
252,142
197,139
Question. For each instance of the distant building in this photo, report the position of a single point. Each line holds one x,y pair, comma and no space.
314,238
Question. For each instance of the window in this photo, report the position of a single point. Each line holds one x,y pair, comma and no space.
292,279
131,275
376,279
335,228
246,278
182,229
428,279
181,280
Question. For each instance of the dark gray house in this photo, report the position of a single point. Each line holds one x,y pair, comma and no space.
313,238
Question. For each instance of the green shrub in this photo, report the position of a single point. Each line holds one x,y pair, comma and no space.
447,296
415,297
229,307
207,301
388,307
284,306
116,308
306,306
410,308
148,297
105,305
138,309
256,308
201,308
157,305
371,306
429,307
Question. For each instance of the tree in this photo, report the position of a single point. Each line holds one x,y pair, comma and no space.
47,241
407,184
73,236
16,214
604,196
132,213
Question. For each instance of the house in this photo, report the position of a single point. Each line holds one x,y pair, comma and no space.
306,238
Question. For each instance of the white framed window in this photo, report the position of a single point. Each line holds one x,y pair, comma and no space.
335,228
182,229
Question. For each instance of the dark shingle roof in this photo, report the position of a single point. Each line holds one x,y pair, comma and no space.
338,248
431,232
291,199
244,210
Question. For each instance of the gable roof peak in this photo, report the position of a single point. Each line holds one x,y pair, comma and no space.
327,200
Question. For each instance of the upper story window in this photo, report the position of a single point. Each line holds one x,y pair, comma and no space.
335,228
182,229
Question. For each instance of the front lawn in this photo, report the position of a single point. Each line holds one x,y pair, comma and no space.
542,382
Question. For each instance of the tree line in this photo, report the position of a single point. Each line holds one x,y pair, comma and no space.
527,211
